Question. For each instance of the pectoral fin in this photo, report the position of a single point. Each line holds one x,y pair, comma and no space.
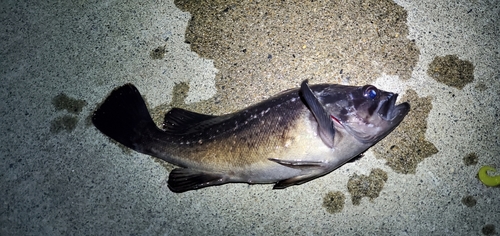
325,129
299,164
182,179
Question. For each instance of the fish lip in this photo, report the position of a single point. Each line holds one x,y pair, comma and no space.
389,111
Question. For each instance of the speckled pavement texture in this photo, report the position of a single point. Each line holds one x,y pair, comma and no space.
59,59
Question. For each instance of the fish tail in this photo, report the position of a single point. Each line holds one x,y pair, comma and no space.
124,117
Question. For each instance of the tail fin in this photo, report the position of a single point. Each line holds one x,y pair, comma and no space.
124,117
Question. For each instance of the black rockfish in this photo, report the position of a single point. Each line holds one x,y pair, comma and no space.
291,138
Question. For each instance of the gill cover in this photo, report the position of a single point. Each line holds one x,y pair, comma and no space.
367,113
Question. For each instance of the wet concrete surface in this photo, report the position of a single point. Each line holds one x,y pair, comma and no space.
61,176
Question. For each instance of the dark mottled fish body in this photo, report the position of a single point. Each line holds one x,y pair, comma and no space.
289,139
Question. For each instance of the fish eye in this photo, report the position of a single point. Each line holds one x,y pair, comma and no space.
370,91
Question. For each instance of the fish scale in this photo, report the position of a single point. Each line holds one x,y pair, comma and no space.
289,139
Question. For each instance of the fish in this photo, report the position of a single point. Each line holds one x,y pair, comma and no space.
289,139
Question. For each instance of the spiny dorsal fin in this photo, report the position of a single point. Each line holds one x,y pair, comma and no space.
180,120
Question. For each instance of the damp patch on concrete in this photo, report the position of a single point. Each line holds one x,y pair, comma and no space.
179,95
470,159
488,229
264,47
66,122
360,186
469,201
334,202
71,105
452,71
63,123
481,86
406,146
158,53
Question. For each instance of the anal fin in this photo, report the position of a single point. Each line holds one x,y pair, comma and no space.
182,179
295,180
312,170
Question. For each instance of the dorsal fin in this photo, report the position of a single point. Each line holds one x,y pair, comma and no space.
179,120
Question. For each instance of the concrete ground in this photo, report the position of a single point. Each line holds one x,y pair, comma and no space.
59,59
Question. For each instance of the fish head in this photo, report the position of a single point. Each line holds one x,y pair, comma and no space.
367,113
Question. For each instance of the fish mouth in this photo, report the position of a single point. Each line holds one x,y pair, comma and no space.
389,111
